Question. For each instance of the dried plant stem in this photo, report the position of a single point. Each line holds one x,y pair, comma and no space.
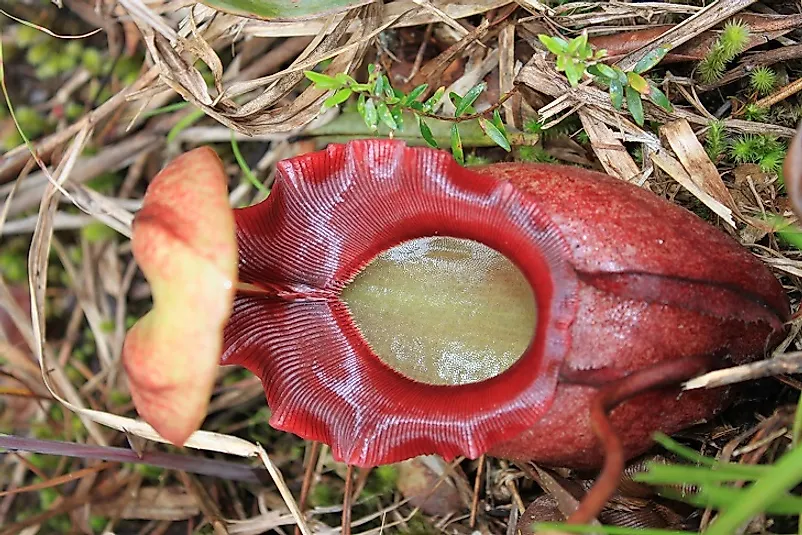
349,489
477,485
309,473
781,94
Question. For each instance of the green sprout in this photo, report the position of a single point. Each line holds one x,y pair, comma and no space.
732,41
574,56
766,151
753,112
716,140
763,80
535,153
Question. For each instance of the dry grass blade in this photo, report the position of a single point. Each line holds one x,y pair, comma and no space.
170,503
66,478
263,113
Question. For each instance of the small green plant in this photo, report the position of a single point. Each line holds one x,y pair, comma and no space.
378,102
577,59
763,80
574,56
716,140
753,112
766,151
535,153
732,41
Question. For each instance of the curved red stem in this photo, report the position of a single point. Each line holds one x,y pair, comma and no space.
608,397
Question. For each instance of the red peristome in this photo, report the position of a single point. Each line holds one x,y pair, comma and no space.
328,215
623,279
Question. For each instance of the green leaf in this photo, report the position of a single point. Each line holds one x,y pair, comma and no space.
454,98
634,105
434,100
360,88
385,116
426,132
456,145
651,59
338,98
621,75
282,9
397,112
556,45
616,93
469,98
659,98
574,71
415,93
378,86
243,165
578,44
784,474
360,106
683,451
344,78
371,115
606,70
389,92
638,83
323,81
498,122
495,134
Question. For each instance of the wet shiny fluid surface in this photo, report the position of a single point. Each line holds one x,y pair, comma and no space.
443,310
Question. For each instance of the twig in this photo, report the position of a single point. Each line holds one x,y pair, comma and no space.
309,472
789,363
349,484
781,94
477,485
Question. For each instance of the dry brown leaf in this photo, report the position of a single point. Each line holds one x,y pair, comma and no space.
676,171
609,150
697,163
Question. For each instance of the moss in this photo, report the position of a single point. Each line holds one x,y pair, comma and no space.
535,153
322,495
